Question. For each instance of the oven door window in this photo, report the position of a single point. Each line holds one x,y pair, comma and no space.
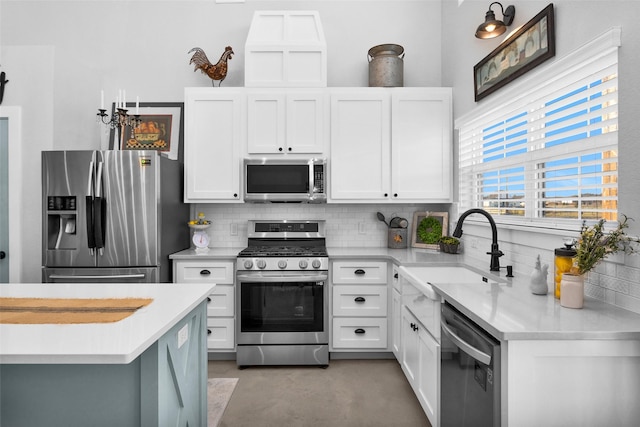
282,307
293,179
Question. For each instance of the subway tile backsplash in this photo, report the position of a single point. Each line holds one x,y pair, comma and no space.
347,225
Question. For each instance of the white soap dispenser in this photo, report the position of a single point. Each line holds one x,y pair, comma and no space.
538,284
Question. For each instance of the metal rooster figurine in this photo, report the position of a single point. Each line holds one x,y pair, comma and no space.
214,71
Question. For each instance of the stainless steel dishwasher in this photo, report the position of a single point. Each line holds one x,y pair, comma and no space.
470,373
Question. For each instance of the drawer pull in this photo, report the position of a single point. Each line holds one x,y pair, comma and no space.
359,299
359,331
208,299
359,272
205,272
395,276
208,331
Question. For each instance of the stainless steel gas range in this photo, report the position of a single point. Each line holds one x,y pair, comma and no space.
282,295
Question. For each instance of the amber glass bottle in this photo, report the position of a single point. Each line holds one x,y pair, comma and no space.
563,263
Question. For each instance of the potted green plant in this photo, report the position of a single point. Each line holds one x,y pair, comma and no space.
593,245
449,244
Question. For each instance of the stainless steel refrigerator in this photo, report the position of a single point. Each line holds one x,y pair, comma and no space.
111,216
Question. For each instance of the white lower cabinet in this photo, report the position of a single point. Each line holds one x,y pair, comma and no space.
359,306
221,302
420,362
418,338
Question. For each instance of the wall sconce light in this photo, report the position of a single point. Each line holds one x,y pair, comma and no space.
491,27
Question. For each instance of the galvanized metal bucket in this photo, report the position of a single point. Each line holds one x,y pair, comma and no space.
386,65
397,238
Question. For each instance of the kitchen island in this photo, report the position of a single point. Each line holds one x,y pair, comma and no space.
148,369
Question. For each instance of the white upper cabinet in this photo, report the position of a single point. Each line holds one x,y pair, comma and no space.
360,145
213,139
390,145
286,121
421,144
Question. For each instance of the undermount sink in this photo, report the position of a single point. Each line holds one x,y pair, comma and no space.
459,275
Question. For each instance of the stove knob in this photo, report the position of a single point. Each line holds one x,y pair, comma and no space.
248,264
261,264
282,264
316,263
303,263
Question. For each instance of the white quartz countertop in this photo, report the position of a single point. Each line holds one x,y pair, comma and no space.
96,343
212,253
508,310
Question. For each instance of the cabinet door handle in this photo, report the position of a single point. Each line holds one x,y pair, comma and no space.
208,331
279,148
205,272
359,272
359,331
208,299
395,276
289,148
359,299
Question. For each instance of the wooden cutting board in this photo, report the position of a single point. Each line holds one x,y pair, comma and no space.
68,310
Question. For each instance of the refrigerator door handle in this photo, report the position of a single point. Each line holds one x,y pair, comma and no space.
89,212
99,208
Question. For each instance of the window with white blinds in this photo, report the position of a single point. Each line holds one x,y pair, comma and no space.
551,153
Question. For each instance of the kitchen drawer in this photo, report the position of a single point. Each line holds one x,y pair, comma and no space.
204,272
360,333
359,272
221,301
220,333
358,300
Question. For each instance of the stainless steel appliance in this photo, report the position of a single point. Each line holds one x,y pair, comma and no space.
470,373
285,180
282,315
111,216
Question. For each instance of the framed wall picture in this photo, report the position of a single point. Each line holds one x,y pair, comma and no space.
161,129
427,228
529,47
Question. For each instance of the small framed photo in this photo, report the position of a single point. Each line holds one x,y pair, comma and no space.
529,47
161,129
427,229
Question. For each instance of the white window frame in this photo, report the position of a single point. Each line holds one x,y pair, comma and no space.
547,78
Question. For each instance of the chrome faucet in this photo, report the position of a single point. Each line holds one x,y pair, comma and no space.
495,253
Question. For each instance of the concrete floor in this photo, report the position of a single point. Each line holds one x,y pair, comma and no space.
349,393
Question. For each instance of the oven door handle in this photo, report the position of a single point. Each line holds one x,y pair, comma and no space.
279,277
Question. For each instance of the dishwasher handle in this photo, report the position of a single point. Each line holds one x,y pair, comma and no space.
480,356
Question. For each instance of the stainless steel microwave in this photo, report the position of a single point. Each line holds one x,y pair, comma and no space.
285,180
